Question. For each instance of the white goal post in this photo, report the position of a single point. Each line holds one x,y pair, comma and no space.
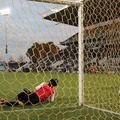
81,54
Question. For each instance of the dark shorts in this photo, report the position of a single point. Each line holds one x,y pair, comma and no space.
28,98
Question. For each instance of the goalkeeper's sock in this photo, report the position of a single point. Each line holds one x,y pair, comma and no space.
11,103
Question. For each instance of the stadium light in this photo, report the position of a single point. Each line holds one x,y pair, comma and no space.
5,12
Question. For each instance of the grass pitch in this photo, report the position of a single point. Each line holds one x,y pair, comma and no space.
100,91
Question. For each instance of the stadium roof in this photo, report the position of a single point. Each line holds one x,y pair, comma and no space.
88,34
61,2
71,40
99,13
96,11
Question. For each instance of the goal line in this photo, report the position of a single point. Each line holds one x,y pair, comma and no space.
36,109
103,110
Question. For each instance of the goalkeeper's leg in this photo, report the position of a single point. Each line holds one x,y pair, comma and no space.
21,99
3,101
12,103
28,98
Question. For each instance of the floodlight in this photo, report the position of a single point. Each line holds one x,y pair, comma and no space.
5,12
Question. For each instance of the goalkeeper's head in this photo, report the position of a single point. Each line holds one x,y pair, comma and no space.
53,82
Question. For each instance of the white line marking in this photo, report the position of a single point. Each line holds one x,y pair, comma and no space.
100,109
35,109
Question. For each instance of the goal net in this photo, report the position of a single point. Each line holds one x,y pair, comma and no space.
76,42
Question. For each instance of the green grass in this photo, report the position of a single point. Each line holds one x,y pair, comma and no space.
100,91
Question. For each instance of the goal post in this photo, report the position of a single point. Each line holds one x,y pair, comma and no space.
81,54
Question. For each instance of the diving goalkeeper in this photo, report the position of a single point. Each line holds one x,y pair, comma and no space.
44,91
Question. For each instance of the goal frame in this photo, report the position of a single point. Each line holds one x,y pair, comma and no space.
81,29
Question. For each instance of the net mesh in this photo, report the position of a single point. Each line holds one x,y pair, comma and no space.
39,41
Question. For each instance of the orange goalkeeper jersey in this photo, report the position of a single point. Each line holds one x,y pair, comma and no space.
44,92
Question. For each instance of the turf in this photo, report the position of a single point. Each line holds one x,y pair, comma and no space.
100,91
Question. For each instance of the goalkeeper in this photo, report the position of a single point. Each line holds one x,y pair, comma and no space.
42,92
